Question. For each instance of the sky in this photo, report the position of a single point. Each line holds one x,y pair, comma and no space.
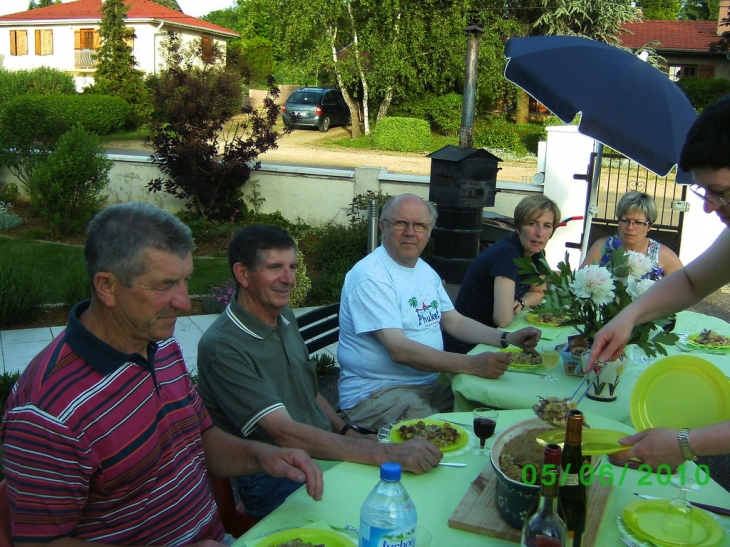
196,8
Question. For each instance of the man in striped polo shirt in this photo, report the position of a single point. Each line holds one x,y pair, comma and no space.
105,438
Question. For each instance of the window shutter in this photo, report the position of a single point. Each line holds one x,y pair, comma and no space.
77,39
13,45
97,40
22,42
706,72
37,42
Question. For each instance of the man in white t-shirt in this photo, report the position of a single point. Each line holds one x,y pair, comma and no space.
392,310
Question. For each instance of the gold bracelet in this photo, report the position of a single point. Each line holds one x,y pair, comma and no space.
684,447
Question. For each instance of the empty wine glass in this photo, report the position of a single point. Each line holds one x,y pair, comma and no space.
550,359
677,522
485,422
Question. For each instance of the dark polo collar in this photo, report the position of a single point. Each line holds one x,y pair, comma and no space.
98,354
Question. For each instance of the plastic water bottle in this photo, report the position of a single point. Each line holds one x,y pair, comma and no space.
388,516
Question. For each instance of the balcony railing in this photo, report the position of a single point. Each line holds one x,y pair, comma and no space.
84,58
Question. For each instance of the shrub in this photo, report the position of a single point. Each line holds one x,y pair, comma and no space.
76,286
100,114
402,135
445,114
8,219
498,134
39,81
703,91
66,188
336,249
21,289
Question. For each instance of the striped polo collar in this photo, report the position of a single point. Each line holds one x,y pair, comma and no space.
250,324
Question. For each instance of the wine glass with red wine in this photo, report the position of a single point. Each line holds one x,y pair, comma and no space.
485,422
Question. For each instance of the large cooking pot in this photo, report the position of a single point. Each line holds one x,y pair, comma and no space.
515,499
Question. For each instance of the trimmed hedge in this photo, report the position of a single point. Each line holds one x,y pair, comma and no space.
445,114
498,133
99,114
402,135
38,81
703,91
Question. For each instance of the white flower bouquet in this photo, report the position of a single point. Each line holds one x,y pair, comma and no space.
592,296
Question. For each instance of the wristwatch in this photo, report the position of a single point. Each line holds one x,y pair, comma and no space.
684,447
503,339
348,426
522,303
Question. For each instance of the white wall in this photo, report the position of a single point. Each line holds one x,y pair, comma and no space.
567,153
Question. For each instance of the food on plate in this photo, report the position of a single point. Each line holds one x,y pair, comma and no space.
551,318
554,410
299,543
523,452
439,434
711,338
525,358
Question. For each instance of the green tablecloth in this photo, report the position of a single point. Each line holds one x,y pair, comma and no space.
515,390
438,493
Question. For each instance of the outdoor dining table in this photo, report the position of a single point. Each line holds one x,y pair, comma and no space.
516,390
438,493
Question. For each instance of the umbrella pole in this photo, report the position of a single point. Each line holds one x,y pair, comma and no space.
592,208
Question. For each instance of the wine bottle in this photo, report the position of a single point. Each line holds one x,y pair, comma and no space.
572,487
544,527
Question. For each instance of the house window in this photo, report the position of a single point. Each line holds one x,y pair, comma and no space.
207,49
44,42
86,38
18,42
676,72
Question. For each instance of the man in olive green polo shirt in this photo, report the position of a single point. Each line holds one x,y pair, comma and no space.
258,382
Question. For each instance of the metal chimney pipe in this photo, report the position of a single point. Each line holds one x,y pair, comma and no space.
372,225
470,86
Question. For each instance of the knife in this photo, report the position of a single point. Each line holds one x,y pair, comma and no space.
452,464
526,372
711,508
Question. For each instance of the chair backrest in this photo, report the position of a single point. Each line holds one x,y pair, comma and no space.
233,515
6,538
320,328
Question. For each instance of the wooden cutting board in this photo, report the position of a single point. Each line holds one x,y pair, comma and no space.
478,513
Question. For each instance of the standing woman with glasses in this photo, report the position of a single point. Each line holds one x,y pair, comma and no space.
636,213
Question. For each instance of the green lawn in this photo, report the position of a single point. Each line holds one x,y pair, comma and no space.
50,261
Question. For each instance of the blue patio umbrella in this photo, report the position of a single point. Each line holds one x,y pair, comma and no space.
625,102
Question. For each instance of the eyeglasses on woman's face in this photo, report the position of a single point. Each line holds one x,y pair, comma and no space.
633,223
716,198
402,225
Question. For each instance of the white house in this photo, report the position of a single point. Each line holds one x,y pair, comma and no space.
65,36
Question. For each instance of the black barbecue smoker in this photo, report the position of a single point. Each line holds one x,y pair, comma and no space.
463,182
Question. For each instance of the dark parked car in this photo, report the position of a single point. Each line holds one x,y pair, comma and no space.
320,107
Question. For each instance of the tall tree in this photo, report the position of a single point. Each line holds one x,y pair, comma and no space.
723,44
42,3
698,10
172,4
659,10
115,71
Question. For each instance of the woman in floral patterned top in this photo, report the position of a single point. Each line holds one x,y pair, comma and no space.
636,213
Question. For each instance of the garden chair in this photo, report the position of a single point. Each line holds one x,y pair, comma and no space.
233,516
320,328
6,539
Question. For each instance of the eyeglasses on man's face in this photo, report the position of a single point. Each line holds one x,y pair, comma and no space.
633,223
716,198
402,225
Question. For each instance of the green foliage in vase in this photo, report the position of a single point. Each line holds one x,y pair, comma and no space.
592,296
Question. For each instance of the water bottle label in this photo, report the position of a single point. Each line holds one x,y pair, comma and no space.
370,536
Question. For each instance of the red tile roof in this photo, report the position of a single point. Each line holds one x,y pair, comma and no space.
90,10
672,35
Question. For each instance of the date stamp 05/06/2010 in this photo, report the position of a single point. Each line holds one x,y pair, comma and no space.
609,474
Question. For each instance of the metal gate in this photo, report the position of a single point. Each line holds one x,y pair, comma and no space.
620,175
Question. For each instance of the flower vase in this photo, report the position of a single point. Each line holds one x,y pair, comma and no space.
604,387
572,353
